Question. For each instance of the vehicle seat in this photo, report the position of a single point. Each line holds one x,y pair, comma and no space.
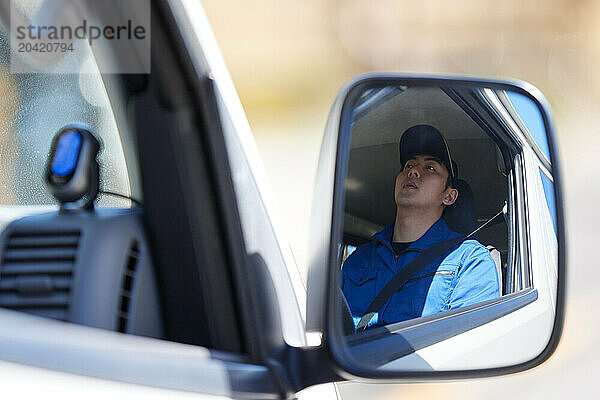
497,260
345,313
460,217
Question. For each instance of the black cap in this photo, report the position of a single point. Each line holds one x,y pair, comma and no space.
425,139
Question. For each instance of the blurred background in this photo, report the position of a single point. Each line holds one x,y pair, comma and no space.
289,58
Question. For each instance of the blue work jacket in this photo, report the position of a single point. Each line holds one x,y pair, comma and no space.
466,276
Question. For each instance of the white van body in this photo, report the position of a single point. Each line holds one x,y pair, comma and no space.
46,358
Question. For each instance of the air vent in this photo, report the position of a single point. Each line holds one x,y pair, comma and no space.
127,286
36,272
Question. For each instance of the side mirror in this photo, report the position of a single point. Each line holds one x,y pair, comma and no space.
482,291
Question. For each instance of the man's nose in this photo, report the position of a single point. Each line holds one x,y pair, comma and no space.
413,172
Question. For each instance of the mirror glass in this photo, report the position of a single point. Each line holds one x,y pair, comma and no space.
449,252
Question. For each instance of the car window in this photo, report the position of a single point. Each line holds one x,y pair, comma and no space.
531,117
377,188
35,106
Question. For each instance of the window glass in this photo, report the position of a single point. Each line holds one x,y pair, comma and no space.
532,118
550,200
401,199
35,106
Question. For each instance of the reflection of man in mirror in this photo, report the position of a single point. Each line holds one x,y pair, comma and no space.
424,188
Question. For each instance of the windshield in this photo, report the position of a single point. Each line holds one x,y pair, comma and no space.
34,107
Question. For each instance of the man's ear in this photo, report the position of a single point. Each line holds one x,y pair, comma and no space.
450,196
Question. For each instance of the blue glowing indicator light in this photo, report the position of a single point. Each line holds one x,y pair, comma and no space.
66,153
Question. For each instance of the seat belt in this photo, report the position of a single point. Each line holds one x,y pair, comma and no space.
416,265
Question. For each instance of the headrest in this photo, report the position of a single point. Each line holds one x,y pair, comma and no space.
460,216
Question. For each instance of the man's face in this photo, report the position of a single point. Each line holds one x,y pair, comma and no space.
422,184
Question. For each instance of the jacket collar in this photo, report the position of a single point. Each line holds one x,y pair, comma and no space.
438,232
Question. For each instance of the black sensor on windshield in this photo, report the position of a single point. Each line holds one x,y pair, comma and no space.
72,172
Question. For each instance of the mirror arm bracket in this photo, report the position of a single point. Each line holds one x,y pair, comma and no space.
302,367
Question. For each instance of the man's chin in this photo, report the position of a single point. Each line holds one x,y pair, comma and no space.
406,201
